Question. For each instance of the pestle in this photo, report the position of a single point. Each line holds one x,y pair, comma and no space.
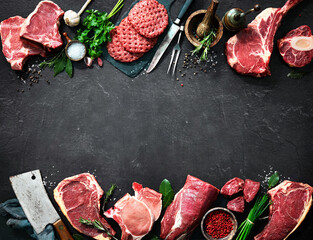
205,26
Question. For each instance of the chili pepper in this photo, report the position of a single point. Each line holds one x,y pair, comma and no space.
218,224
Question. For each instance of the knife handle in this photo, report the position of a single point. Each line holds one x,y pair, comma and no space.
184,9
61,229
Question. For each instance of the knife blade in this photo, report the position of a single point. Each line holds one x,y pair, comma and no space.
169,37
34,200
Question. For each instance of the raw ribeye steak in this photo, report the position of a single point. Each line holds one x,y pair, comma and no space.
250,189
186,211
42,25
249,51
291,50
233,186
237,204
291,203
136,214
79,197
15,49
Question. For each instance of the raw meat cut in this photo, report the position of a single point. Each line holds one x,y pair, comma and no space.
15,49
249,51
136,214
186,211
79,197
292,56
291,203
42,25
250,189
237,204
233,186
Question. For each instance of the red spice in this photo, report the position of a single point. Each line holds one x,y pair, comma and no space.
218,224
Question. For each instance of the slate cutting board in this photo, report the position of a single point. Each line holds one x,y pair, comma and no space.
134,68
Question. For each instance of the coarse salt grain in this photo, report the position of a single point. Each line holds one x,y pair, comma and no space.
76,51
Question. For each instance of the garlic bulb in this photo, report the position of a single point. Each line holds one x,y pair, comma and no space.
71,18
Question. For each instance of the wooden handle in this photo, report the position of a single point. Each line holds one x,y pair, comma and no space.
61,229
67,37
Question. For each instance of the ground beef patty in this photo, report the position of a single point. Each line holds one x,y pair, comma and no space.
131,40
118,52
149,18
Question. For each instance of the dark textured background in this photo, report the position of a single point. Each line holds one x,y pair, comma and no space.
218,126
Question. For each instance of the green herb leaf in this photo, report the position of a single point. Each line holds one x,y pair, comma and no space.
78,237
274,179
205,45
96,30
69,67
97,225
167,192
296,74
108,194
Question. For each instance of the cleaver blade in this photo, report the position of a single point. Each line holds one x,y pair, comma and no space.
32,195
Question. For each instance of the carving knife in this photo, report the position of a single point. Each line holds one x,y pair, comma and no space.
32,195
169,37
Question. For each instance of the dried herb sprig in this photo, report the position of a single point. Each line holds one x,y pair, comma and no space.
205,43
97,225
260,205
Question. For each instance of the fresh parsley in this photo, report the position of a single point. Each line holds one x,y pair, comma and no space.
205,45
167,193
96,28
59,63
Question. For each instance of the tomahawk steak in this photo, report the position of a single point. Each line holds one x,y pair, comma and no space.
79,197
136,214
291,201
232,186
42,25
292,56
15,49
186,211
249,51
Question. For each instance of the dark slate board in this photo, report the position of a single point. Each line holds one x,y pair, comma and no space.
134,68
147,128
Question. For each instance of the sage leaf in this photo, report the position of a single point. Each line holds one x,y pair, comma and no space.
167,193
78,237
69,67
59,64
274,179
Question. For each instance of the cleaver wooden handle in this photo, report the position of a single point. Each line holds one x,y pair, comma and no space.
61,229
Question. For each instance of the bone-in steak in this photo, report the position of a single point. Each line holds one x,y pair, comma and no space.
79,196
291,56
186,211
249,51
291,203
136,214
15,49
42,25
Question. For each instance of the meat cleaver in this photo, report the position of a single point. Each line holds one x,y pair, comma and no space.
32,195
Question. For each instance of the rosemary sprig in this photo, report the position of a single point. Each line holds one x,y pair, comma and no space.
108,194
97,225
205,43
260,205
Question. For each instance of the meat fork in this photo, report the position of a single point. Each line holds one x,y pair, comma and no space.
175,52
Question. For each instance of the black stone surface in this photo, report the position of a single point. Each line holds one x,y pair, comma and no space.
217,126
